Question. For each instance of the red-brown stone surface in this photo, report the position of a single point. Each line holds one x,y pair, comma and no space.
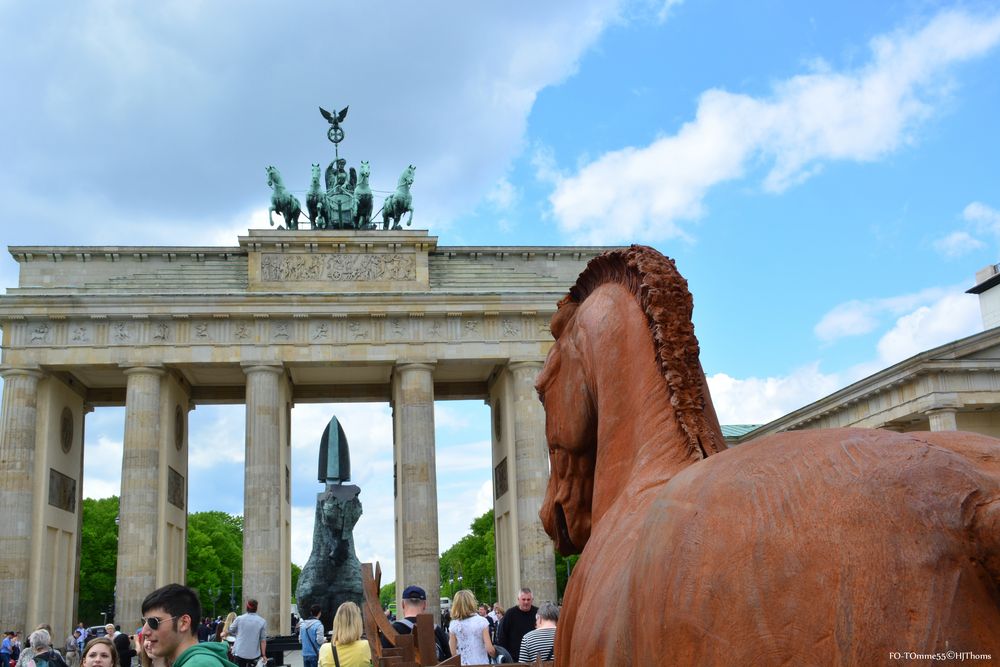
834,546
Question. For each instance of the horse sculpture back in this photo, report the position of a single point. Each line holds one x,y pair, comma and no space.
811,547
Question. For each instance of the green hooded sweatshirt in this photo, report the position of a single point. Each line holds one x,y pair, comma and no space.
206,654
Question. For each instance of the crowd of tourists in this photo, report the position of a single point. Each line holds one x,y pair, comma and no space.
480,635
173,633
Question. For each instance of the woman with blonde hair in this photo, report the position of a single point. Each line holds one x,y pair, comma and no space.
352,650
223,634
99,652
470,632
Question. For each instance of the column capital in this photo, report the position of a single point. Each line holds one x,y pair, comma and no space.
29,371
275,367
939,411
142,369
416,365
525,364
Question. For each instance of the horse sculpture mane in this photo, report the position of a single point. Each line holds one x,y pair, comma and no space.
835,546
663,295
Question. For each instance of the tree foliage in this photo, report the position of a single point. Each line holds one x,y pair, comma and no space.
387,594
98,558
474,559
296,572
215,560
471,562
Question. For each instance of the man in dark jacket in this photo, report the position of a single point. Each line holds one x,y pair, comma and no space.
517,622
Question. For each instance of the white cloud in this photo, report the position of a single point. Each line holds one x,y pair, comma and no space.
859,115
216,437
857,317
957,244
987,219
503,195
102,464
924,320
176,168
760,400
951,317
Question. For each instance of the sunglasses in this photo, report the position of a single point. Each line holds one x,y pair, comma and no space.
154,623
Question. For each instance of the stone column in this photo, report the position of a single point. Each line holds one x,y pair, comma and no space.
262,491
943,419
417,550
537,559
18,418
140,490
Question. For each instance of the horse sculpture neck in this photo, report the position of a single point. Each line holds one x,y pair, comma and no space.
640,444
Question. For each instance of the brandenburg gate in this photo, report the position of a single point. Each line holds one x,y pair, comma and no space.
284,317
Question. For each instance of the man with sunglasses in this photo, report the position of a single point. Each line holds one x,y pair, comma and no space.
250,631
169,629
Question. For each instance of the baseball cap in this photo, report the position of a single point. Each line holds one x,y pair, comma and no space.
414,593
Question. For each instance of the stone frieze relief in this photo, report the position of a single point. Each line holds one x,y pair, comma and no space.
315,330
393,267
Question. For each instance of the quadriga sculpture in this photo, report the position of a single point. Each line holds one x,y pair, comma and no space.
814,547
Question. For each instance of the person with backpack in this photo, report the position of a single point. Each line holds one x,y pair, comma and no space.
43,655
415,603
540,642
311,636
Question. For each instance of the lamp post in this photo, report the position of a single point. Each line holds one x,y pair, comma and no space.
213,592
488,582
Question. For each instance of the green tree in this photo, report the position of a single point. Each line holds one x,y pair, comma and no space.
215,559
564,568
296,571
387,594
471,562
98,558
474,558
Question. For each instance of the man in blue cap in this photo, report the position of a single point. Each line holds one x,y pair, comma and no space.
414,603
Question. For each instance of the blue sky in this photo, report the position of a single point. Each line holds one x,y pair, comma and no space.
824,173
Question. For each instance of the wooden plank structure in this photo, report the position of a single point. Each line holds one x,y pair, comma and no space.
412,650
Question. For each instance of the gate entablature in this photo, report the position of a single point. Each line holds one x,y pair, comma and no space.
283,317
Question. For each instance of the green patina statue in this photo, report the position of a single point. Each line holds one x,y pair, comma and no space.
399,202
363,199
339,204
315,201
282,201
348,200
335,133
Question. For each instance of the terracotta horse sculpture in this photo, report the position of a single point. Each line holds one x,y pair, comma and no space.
838,546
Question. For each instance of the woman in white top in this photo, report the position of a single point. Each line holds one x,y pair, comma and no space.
470,632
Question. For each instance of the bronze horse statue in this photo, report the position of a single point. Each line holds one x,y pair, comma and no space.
316,200
399,202
363,198
838,546
282,201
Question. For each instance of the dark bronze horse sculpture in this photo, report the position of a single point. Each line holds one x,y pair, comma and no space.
813,547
